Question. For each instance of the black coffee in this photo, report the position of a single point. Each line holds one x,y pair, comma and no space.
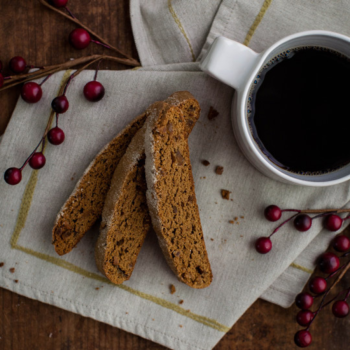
299,110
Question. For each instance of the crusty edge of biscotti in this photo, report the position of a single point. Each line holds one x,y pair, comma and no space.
181,97
130,159
151,179
64,207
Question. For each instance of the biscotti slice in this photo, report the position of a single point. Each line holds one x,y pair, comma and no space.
125,217
189,106
84,206
171,196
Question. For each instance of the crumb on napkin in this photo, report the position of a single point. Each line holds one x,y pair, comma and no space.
213,113
219,170
225,194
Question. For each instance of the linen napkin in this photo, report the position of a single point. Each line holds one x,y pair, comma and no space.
143,305
174,31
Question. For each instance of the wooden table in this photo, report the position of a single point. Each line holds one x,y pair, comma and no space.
36,33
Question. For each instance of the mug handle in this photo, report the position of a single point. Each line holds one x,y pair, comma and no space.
229,62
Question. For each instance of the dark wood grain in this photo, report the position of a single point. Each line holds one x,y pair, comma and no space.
39,35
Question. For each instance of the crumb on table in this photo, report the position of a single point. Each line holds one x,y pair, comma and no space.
181,302
2,264
172,289
205,162
231,222
12,269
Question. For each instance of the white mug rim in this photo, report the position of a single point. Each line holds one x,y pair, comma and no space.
243,112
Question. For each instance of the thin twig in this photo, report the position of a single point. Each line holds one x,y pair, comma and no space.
31,155
15,80
67,65
70,13
283,223
76,21
315,211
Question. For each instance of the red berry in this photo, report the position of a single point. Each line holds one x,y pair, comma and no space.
59,3
37,161
318,285
303,338
263,245
79,38
333,222
55,136
60,104
340,308
31,92
1,80
328,262
304,317
13,176
304,301
341,243
18,64
273,213
302,222
94,91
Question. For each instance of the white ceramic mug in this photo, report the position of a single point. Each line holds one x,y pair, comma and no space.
237,65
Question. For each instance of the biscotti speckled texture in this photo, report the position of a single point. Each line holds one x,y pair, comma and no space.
85,204
125,217
171,196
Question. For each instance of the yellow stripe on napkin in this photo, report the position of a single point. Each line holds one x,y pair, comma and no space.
177,21
257,21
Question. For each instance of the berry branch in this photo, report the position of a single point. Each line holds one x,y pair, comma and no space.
328,263
304,301
302,222
31,92
131,60
56,136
